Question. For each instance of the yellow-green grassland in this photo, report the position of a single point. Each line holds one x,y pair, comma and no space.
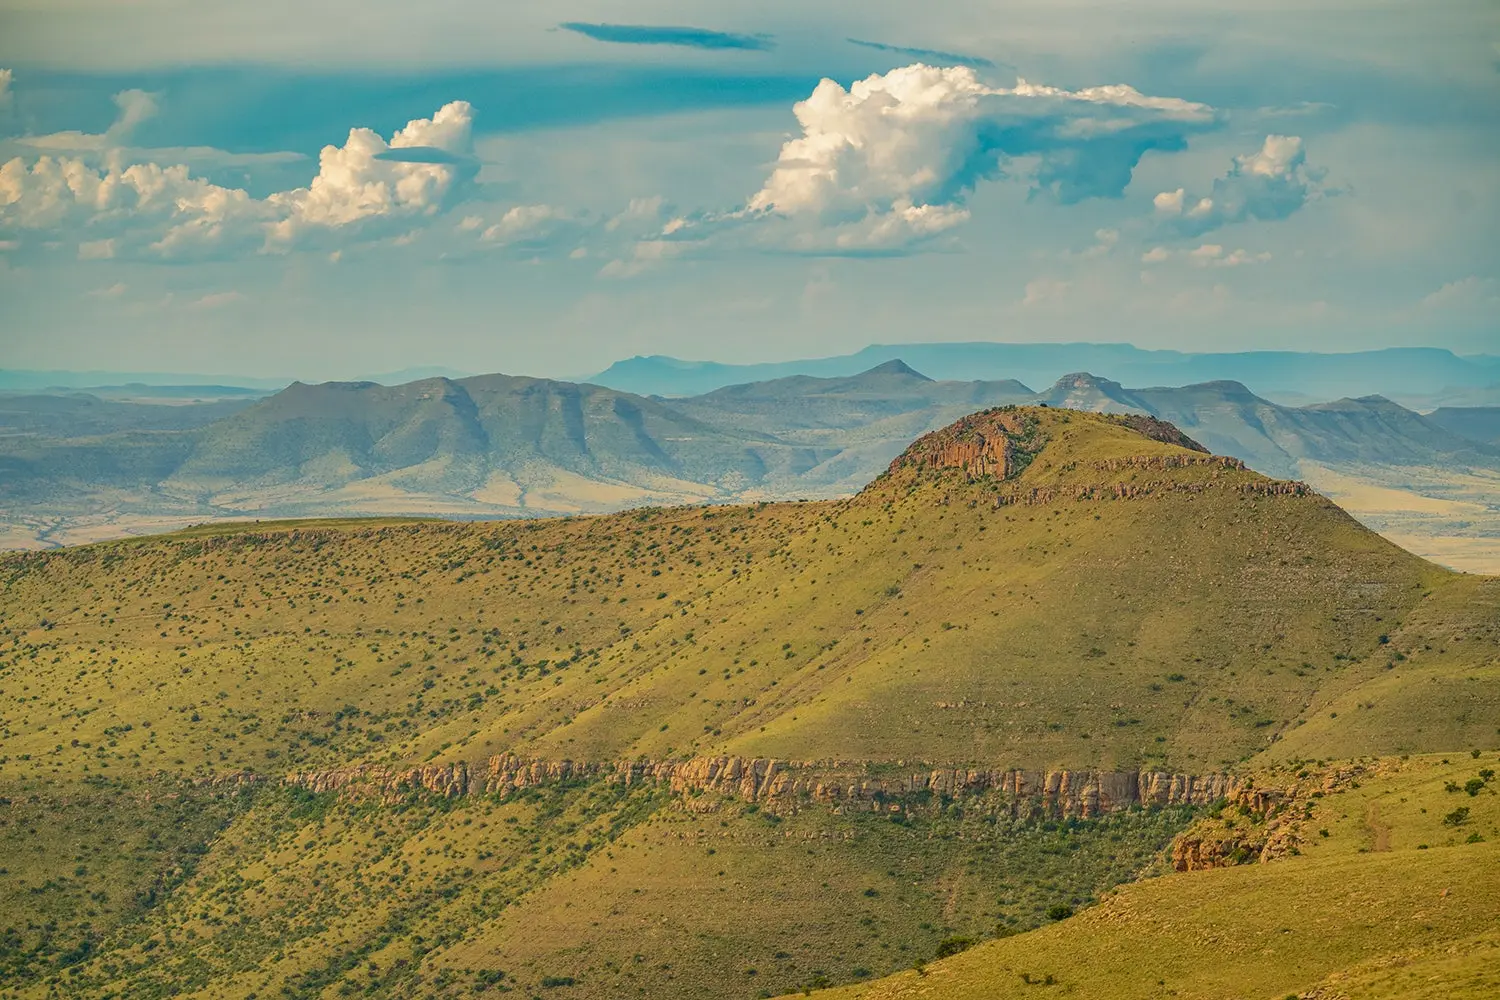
985,709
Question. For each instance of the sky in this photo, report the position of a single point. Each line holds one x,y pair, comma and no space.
319,189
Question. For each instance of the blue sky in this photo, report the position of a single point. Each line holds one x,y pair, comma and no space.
548,189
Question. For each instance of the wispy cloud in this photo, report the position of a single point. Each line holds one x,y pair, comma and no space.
647,34
1207,255
135,106
217,300
1470,291
936,55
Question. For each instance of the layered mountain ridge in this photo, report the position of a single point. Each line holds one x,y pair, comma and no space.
508,446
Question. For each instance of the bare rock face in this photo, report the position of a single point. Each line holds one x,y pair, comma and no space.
986,444
1265,825
387,783
1168,461
788,785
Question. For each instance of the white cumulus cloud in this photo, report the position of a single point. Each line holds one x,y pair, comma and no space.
889,161
1042,291
523,221
1271,183
361,180
151,210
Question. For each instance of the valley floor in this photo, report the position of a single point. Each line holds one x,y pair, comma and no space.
1451,518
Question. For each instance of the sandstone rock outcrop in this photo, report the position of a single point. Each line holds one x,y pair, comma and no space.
1167,462
1265,826
1042,496
989,443
788,784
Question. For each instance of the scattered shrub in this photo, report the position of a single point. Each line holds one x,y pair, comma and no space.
953,945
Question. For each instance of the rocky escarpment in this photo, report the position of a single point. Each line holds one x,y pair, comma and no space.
996,443
1220,478
787,785
1150,488
1245,835
1168,462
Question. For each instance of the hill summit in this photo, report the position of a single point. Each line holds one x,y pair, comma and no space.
401,759
1001,442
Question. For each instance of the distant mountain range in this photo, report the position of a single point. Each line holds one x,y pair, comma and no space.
1420,378
175,384
1276,440
1477,423
506,446
1411,374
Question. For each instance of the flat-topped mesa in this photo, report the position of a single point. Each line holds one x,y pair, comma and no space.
787,785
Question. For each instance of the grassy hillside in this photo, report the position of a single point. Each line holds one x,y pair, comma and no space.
1029,588
1390,898
1185,628
621,891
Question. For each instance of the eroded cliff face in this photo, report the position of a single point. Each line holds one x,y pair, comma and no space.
788,785
994,443
1042,496
1271,831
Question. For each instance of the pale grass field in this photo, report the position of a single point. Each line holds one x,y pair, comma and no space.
1451,518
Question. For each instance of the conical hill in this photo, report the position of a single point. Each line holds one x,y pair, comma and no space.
1028,588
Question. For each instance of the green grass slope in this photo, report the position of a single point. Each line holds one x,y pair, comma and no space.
1029,588
1185,628
620,891
1391,899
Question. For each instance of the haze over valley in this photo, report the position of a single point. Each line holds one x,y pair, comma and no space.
83,466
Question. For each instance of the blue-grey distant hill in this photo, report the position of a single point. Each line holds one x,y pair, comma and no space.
506,446
1477,423
167,385
1400,373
